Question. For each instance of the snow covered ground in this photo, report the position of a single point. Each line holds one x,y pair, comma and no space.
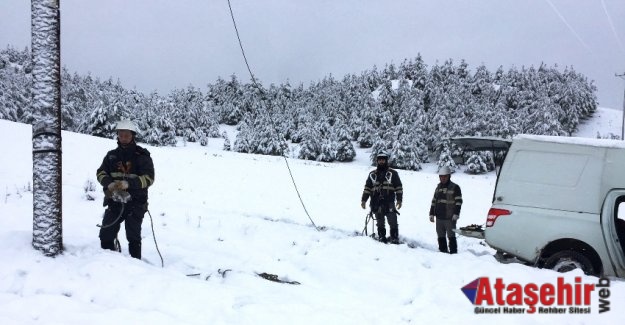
221,218
605,121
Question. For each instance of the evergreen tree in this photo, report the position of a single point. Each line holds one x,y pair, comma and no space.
226,97
476,165
245,141
310,145
344,148
414,70
196,118
268,142
328,150
226,146
156,125
445,158
160,132
404,156
367,132
73,100
16,85
101,122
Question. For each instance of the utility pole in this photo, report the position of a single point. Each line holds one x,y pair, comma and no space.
46,53
623,122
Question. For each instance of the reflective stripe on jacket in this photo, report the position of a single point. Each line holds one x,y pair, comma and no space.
447,201
132,164
384,187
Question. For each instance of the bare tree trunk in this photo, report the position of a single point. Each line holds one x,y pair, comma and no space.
46,52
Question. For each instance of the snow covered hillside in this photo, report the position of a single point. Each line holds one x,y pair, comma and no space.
605,121
221,218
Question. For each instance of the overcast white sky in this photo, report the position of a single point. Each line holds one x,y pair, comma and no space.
162,44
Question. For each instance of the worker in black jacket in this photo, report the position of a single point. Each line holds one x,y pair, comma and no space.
445,207
125,174
384,187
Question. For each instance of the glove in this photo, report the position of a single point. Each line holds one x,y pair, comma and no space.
122,185
112,187
363,204
431,218
398,205
455,217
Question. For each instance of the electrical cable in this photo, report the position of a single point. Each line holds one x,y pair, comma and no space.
114,221
154,236
275,129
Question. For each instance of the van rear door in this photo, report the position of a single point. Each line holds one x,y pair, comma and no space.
498,146
482,143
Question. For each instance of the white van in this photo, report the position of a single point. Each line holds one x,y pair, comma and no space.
556,202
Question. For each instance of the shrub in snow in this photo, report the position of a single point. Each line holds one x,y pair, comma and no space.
475,165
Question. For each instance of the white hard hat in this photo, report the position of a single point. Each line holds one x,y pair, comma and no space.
382,154
127,125
445,170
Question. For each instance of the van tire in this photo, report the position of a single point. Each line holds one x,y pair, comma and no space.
565,261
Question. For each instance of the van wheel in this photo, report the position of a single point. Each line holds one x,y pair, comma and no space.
566,261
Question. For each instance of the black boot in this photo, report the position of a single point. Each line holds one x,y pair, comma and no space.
394,236
108,244
118,246
453,245
382,235
134,248
442,244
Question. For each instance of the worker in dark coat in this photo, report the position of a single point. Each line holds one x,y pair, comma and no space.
384,187
125,175
445,207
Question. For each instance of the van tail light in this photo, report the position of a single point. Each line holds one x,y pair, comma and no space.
493,214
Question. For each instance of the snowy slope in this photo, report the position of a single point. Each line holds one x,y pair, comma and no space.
605,121
220,218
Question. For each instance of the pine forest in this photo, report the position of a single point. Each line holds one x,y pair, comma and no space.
410,109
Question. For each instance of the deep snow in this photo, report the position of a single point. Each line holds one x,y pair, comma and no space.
220,218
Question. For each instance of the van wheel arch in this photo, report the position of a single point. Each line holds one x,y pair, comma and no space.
565,261
572,251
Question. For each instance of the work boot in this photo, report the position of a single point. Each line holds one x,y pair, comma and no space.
108,244
442,244
453,245
382,235
118,246
394,236
134,248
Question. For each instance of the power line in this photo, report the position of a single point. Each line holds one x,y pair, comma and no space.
241,46
568,25
618,40
273,125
